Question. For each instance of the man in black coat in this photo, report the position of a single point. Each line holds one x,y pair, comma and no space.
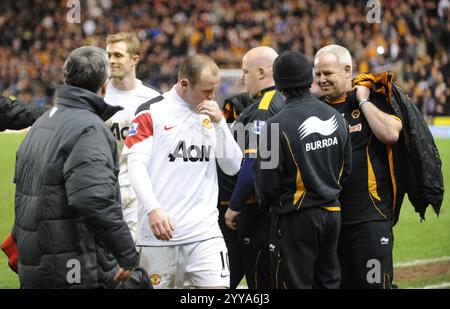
68,225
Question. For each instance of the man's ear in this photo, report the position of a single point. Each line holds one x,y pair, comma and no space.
348,71
184,83
135,59
261,73
102,90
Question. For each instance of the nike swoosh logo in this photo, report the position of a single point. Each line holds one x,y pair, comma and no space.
168,128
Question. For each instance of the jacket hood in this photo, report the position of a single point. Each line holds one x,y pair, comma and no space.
81,98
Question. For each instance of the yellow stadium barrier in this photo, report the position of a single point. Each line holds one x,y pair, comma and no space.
441,120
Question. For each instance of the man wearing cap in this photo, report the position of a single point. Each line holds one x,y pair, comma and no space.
310,143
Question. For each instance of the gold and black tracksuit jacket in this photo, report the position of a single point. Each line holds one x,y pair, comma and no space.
369,193
312,156
266,104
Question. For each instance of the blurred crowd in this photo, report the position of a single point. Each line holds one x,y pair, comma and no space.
412,38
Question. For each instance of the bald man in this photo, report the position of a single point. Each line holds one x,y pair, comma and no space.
253,223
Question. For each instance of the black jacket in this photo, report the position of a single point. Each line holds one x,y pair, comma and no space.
417,164
312,156
253,113
15,115
67,200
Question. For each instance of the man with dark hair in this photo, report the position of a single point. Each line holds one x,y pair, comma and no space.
85,68
310,154
172,147
68,226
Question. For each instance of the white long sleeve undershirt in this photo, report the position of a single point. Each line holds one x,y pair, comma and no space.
141,182
228,152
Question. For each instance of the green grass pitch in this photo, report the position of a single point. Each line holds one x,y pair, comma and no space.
413,239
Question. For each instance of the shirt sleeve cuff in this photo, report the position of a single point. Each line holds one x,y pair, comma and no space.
220,124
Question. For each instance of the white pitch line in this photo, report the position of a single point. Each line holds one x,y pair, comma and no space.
421,262
442,285
16,131
408,264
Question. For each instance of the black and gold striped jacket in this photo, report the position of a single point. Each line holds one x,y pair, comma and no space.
415,166
267,103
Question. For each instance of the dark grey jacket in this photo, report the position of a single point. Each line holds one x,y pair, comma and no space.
68,223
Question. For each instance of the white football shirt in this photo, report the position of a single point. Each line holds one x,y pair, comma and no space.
181,145
120,121
119,124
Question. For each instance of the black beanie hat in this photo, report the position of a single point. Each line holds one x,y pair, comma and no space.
292,70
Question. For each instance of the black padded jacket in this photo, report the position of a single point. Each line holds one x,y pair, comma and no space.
68,219
15,115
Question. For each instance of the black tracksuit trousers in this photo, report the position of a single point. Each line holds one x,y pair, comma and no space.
306,254
365,255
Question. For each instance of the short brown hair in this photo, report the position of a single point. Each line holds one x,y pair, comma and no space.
133,44
192,67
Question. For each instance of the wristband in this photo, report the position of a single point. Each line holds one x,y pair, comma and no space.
361,103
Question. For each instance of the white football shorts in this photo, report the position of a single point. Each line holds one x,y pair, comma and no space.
195,265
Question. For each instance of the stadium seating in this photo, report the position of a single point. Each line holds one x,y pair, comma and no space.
412,38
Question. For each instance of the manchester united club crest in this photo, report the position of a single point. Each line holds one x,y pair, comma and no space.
207,123
155,279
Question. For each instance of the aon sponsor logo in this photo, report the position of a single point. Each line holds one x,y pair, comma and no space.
192,153
119,133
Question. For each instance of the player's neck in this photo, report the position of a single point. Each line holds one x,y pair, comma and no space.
339,97
126,83
266,84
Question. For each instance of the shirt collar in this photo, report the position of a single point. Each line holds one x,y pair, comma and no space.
138,84
263,91
172,93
